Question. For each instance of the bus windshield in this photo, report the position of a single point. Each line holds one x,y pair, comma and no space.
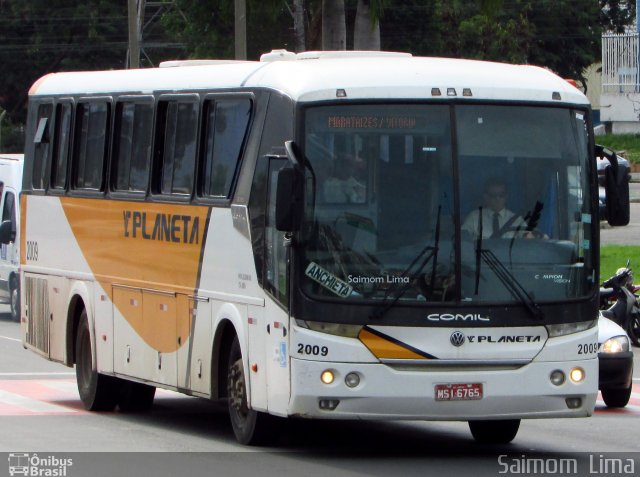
446,203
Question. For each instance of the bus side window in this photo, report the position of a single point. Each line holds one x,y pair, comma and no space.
226,127
90,145
42,143
132,146
61,148
175,154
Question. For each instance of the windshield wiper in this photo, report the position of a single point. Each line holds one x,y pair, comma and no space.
511,283
478,249
384,307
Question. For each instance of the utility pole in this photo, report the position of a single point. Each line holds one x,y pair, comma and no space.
241,29
134,35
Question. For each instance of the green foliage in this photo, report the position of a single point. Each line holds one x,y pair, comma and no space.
207,27
628,143
44,36
613,257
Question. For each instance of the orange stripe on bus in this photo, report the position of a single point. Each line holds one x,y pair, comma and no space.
385,349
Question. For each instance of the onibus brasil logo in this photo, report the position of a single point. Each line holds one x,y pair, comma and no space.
38,466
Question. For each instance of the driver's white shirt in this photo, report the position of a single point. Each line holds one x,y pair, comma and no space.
472,225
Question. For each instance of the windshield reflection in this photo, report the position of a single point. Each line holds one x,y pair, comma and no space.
380,218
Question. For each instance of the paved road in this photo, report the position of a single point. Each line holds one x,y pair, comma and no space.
627,235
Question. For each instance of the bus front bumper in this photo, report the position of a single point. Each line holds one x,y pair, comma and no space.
388,392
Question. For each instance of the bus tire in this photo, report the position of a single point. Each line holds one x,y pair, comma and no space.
98,392
136,397
494,432
14,297
249,426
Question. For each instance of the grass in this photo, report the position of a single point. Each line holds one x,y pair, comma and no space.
613,257
628,143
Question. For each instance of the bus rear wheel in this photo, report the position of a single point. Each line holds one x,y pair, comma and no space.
98,392
249,426
494,432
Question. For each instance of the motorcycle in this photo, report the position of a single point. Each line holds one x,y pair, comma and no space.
620,303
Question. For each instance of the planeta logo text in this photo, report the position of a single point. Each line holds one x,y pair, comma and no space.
457,317
505,339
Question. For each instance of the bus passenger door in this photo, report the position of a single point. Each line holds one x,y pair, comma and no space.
276,309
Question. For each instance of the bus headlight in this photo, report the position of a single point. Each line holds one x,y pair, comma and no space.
337,329
327,376
577,375
557,378
352,380
616,344
569,328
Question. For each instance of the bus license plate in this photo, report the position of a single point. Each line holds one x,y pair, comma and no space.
458,392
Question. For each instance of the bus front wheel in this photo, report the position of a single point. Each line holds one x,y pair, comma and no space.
98,392
494,432
250,427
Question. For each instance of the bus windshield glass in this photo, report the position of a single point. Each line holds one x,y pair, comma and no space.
446,203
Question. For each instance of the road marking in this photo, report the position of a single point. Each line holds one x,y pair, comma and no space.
40,397
34,397
10,339
38,374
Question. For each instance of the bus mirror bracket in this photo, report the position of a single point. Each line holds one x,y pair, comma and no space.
617,191
290,193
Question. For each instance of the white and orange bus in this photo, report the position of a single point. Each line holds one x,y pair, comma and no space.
292,234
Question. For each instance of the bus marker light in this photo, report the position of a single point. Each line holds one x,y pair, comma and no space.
557,378
352,380
436,92
327,377
573,402
328,404
451,92
341,93
577,375
467,92
254,367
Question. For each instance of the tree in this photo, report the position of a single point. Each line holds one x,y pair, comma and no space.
44,36
334,28
366,28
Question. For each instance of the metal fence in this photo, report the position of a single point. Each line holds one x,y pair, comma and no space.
620,72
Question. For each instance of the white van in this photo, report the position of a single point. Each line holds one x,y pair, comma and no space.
10,187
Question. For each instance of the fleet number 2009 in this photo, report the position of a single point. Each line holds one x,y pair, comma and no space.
312,350
588,348
32,251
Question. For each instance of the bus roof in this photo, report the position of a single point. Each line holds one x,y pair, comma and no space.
321,76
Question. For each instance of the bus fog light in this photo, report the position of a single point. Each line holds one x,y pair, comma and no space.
352,380
573,402
327,377
328,404
577,375
557,378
